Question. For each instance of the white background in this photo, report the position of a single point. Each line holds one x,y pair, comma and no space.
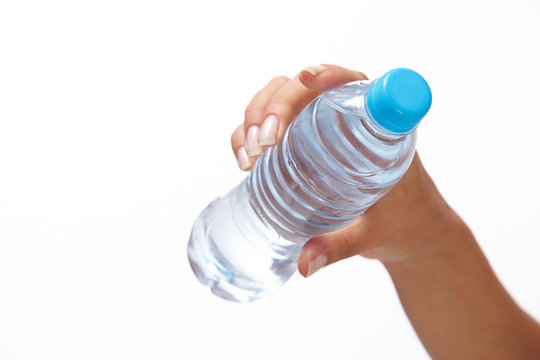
115,119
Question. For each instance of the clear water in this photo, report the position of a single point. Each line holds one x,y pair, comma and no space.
333,163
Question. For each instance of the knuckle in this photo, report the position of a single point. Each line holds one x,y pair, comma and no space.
278,80
236,136
252,112
347,248
280,101
233,142
281,105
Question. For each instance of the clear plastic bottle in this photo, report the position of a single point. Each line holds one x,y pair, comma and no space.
344,151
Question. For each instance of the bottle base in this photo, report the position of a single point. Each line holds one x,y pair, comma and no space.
208,271
235,254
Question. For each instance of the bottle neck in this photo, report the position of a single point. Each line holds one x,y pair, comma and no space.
352,100
378,131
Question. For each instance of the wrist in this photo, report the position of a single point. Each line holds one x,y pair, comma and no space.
444,240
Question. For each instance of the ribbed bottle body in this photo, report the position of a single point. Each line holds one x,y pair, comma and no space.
333,163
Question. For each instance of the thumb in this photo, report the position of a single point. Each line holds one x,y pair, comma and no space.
323,250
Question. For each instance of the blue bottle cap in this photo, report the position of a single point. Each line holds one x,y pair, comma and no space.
399,100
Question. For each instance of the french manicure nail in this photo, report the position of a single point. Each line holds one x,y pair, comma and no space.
316,264
269,131
315,69
243,159
252,141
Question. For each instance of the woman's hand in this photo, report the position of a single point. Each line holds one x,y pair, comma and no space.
395,228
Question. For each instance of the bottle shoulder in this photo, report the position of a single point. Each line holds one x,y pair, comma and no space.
345,142
352,99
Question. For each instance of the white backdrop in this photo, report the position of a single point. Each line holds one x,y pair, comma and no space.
115,119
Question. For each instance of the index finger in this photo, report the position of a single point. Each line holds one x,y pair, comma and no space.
290,99
320,78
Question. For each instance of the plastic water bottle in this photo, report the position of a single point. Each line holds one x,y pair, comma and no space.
344,151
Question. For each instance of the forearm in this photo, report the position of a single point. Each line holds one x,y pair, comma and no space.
457,305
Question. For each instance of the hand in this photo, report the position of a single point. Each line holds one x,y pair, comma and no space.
403,223
451,295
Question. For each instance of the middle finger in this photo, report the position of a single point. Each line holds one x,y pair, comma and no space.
268,127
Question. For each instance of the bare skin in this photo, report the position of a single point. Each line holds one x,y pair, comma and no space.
451,295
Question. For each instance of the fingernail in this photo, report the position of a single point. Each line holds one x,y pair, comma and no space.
243,159
316,264
315,69
252,141
269,131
